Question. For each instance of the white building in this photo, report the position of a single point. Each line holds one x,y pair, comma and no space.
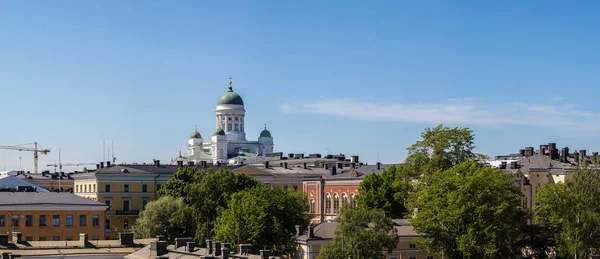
228,142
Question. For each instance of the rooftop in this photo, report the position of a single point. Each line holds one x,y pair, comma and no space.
47,198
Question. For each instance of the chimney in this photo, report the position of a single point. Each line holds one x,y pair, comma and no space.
217,248
522,152
179,163
209,246
298,230
205,164
378,166
583,154
125,239
595,157
107,163
158,248
285,165
97,166
576,156
340,165
101,164
190,163
190,246
157,163
227,245
266,164
225,253
16,237
354,159
311,231
353,164
551,146
326,166
564,154
333,170
503,165
264,254
529,151
218,163
542,149
3,239
304,166
513,165
290,155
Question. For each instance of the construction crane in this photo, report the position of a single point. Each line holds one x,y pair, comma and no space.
35,151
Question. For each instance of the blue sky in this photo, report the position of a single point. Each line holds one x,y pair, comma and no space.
353,77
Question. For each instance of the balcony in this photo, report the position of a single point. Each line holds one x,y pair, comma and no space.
127,212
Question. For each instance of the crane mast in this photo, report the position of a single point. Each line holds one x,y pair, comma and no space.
35,151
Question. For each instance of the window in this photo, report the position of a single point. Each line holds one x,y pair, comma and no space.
241,127
69,220
412,257
2,221
29,221
393,257
85,188
145,188
144,203
94,187
126,223
327,203
229,127
157,187
312,206
352,200
236,127
69,238
229,118
107,202
55,220
430,257
295,187
96,220
336,203
56,238
15,220
42,220
95,238
107,224
42,238
236,118
82,221
126,188
412,246
107,188
126,205
28,238
76,188
285,187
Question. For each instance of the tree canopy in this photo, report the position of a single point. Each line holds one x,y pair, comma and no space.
263,217
206,192
470,211
572,208
388,191
166,216
362,233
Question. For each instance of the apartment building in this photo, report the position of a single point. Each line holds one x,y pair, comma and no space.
46,216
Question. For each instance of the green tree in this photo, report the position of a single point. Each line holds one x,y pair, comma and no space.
470,211
387,191
440,149
263,217
206,192
362,233
573,209
166,216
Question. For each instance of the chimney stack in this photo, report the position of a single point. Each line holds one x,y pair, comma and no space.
190,163
304,166
595,157
190,246
157,163
543,149
298,230
179,163
354,159
378,166
340,165
158,248
101,164
217,248
285,165
513,165
503,165
333,170
311,231
224,253
265,254
528,151
266,164
353,165
522,152
107,163
583,154
209,246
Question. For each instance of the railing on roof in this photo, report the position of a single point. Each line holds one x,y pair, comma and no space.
127,212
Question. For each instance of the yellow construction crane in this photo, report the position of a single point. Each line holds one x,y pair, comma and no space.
35,151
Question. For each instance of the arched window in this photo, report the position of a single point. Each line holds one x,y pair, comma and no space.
327,203
344,199
126,223
336,203
352,200
312,206
107,224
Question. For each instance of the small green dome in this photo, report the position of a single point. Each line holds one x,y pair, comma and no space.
230,97
219,131
265,133
196,134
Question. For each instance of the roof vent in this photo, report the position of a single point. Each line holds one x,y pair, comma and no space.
125,171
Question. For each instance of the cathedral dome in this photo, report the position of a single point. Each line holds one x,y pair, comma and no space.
230,97
265,133
219,131
196,134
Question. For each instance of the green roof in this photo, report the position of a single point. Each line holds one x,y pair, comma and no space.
265,134
219,131
230,97
196,134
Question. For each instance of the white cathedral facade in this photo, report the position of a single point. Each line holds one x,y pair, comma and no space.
228,143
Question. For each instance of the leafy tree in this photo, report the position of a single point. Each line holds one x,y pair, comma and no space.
470,211
362,233
440,149
206,192
263,217
573,209
166,216
388,191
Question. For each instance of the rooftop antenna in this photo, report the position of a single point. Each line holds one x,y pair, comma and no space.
377,157
113,151
59,171
104,149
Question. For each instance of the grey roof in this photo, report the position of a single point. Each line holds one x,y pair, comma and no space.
14,182
152,169
180,253
322,231
47,198
312,171
540,162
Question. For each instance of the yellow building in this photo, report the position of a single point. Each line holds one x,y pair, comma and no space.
41,216
309,244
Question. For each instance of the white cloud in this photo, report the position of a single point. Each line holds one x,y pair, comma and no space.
453,111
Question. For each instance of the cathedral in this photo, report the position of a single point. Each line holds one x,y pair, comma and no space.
228,143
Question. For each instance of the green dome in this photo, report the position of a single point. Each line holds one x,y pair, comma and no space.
265,134
196,134
230,97
219,131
